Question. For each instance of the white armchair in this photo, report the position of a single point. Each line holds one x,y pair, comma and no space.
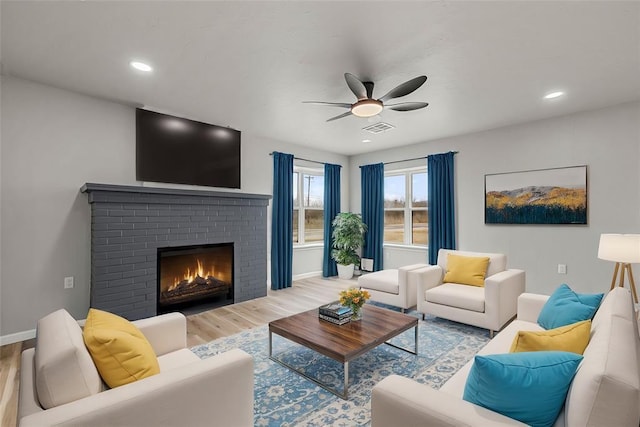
187,391
392,286
487,307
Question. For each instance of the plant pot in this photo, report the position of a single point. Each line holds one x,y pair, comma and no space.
345,271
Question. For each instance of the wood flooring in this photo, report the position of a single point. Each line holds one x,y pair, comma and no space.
201,328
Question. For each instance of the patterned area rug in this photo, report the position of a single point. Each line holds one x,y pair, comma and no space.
284,398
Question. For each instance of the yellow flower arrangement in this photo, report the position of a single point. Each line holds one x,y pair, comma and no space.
355,299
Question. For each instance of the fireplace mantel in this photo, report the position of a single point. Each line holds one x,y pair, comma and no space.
92,188
130,223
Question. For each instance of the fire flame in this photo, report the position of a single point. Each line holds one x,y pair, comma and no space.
190,275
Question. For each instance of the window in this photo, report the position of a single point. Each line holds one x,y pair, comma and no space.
308,205
405,207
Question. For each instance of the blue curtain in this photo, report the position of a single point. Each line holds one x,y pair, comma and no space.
331,209
282,221
442,218
372,193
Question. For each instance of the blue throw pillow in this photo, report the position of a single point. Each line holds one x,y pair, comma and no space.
565,307
530,387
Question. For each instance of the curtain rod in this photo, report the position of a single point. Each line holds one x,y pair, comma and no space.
385,163
306,160
415,158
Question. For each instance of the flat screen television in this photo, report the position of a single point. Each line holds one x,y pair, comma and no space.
175,150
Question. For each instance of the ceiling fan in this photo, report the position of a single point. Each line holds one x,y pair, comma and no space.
367,106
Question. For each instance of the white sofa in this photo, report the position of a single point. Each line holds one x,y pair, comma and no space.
393,286
59,374
490,307
605,391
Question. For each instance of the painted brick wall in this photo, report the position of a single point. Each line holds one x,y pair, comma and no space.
129,223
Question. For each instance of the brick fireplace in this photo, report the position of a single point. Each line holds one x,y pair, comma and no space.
131,225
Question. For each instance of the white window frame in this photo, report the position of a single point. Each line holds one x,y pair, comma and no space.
408,205
301,208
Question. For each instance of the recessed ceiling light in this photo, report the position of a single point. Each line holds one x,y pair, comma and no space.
553,95
366,140
141,66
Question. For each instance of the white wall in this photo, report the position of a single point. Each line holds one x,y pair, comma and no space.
54,141
394,256
307,260
606,140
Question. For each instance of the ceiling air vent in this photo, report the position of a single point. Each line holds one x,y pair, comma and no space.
378,127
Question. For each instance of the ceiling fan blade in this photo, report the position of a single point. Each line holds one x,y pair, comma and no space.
405,88
406,106
330,104
369,87
356,86
348,113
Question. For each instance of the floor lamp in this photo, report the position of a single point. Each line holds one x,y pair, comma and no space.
624,250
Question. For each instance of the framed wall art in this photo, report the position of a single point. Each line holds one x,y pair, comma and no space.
544,196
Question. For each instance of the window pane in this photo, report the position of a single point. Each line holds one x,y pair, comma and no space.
295,189
295,226
313,190
419,227
313,226
394,226
394,191
419,189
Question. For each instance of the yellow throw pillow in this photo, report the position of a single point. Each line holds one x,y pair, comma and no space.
573,338
119,350
466,270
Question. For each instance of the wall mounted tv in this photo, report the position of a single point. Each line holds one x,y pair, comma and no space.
181,151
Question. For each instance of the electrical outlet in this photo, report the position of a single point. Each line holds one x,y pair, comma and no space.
68,282
562,268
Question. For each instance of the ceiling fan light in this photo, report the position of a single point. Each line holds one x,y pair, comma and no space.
366,108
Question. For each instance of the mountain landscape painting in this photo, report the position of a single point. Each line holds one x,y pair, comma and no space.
546,196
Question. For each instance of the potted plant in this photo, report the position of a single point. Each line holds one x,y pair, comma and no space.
348,236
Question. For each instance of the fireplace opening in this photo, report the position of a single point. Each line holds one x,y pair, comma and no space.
195,277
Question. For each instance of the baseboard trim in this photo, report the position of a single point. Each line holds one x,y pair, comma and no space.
307,275
299,276
17,337
26,335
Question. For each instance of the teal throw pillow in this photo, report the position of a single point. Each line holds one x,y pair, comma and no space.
565,307
530,387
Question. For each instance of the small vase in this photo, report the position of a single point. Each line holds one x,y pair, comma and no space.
356,312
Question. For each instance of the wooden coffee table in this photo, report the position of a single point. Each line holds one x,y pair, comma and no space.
345,342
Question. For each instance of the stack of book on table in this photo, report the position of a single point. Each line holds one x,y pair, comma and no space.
335,312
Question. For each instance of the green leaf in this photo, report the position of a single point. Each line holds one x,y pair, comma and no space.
348,237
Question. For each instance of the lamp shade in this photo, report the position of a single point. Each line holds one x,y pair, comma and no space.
620,248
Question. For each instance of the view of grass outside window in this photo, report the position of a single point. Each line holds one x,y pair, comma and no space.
395,194
308,206
405,207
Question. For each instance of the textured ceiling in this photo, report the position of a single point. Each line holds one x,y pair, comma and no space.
249,65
